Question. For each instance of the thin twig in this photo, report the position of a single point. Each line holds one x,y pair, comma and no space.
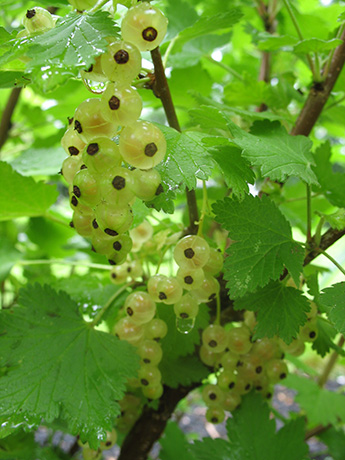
5,124
330,364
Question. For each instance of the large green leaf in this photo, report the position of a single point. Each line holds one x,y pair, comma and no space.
182,371
58,365
39,161
22,196
174,444
316,45
280,310
262,244
252,436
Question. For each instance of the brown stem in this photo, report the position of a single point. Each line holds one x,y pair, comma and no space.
316,431
151,424
319,94
330,364
161,90
328,238
5,124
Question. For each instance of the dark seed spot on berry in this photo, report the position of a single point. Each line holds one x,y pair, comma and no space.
129,311
74,201
117,246
108,443
144,382
258,370
121,57
94,223
30,13
90,69
189,253
184,315
312,334
212,296
231,385
93,249
146,361
239,363
159,190
73,150
113,275
129,269
162,296
247,387
214,419
76,191
269,395
92,149
282,376
282,356
114,103
259,388
112,262
83,167
70,120
188,279
110,232
71,224
212,343
150,149
149,34
77,126
212,396
119,182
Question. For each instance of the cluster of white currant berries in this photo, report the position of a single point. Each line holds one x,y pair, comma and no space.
242,364
106,176
91,454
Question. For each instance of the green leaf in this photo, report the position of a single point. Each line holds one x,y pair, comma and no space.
207,24
174,444
181,15
248,91
59,365
321,406
269,42
262,246
336,220
335,441
187,158
182,371
280,310
9,256
13,78
175,343
236,170
75,41
326,333
252,435
209,117
277,153
333,300
316,45
41,161
22,196
332,183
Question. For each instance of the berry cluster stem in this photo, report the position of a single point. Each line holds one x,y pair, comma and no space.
162,91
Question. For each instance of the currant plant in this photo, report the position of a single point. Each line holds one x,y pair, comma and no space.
172,220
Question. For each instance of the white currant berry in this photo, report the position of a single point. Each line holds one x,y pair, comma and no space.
121,105
140,307
191,252
38,20
121,63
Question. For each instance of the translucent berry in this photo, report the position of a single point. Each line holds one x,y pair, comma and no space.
276,370
186,307
190,279
142,145
140,307
113,220
71,142
156,329
127,330
85,188
121,105
214,338
121,63
212,395
100,155
150,352
239,340
38,20
215,414
208,289
149,375
191,252
146,184
214,263
70,167
145,26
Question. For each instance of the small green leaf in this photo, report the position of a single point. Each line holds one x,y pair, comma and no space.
207,24
334,439
236,170
269,42
335,220
22,196
187,158
174,444
316,45
277,153
262,244
280,310
332,183
182,371
326,333
43,161
13,78
9,255
322,406
333,300
58,365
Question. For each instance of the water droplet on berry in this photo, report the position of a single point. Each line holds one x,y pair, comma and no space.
185,325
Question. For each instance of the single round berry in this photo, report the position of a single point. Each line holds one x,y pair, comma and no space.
122,62
214,338
191,252
121,105
140,307
38,20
